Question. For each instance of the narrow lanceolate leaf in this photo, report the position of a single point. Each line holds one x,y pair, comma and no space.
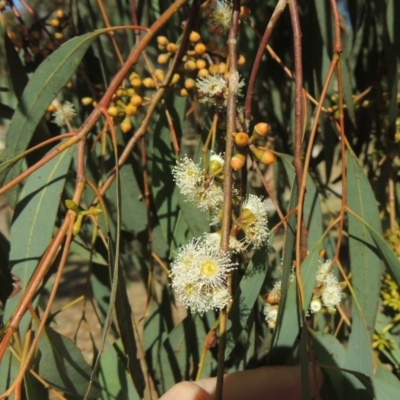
113,376
33,223
63,366
178,353
163,185
42,88
197,220
330,352
245,298
365,265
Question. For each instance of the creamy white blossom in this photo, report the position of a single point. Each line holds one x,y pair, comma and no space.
63,113
199,276
214,89
315,305
193,183
214,239
331,295
271,314
330,289
254,221
221,298
221,16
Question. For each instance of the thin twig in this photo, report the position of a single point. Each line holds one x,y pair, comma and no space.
227,206
257,61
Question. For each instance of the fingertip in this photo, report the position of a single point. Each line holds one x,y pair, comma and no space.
186,391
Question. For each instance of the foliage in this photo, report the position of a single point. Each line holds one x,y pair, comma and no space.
240,159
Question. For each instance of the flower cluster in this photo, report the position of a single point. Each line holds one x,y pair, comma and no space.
329,291
194,184
199,276
214,89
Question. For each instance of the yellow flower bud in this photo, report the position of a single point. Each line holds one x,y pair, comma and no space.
86,101
162,40
264,156
159,74
149,83
238,161
194,36
126,124
55,23
241,139
113,111
136,100
189,65
260,130
175,79
190,83
200,49
201,63
130,110
77,225
71,205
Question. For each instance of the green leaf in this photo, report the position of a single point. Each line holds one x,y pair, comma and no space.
379,387
63,366
245,297
133,209
365,266
196,220
113,375
312,206
50,77
178,353
390,259
9,368
163,186
329,351
33,223
5,111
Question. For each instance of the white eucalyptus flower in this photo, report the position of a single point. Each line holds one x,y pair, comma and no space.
254,221
63,113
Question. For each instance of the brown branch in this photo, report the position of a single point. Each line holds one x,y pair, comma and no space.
227,206
257,61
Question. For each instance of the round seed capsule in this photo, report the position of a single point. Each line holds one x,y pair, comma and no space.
244,12
60,14
136,82
86,101
159,74
163,58
213,69
126,125
202,73
238,161
183,92
241,139
136,100
162,40
55,23
189,65
171,47
149,83
194,36
200,49
241,60
130,109
190,83
200,63
112,111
